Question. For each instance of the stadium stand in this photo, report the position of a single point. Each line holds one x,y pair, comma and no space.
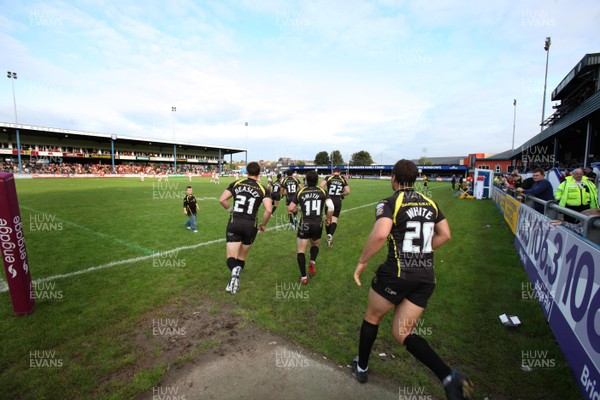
52,150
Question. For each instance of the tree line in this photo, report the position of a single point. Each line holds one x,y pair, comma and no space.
335,158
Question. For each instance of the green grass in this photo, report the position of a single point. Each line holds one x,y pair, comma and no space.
90,327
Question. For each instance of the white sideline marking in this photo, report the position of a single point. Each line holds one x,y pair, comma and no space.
115,263
95,232
4,285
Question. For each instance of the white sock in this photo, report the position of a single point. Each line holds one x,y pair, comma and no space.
447,380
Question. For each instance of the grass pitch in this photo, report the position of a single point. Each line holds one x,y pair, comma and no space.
105,252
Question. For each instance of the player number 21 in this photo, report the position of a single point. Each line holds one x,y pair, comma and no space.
240,201
414,232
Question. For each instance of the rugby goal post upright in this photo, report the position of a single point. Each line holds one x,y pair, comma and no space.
12,244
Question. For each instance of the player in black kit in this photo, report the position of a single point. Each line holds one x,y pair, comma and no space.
413,226
248,194
337,188
310,202
291,185
275,188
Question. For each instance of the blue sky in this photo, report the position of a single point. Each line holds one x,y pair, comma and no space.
399,79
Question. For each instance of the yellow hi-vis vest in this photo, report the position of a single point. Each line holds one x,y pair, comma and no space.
569,193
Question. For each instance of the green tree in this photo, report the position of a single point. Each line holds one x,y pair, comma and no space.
322,158
233,166
337,158
361,158
424,161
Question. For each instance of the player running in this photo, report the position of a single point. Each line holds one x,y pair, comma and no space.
291,185
275,188
248,194
311,201
414,226
337,188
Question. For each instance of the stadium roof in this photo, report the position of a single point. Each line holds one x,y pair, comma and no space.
585,71
450,160
581,73
31,129
505,155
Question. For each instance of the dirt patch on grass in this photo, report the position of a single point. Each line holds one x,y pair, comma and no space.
214,353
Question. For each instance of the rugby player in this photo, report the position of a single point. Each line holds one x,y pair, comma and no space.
290,186
337,188
413,226
310,201
275,188
248,194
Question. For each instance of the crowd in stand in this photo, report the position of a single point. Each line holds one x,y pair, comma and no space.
83,150
66,168
577,192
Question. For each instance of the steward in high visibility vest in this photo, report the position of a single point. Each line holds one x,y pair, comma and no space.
577,193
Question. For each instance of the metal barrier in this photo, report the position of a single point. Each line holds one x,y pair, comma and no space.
590,223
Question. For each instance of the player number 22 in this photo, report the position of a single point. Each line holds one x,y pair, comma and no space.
335,190
416,227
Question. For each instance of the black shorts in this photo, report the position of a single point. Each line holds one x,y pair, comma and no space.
276,196
241,230
310,229
396,289
337,203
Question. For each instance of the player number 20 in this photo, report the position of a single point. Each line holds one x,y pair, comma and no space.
415,228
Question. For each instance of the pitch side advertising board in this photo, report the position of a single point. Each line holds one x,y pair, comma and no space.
508,206
12,244
564,270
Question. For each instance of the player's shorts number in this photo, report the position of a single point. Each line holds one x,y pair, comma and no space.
240,203
415,229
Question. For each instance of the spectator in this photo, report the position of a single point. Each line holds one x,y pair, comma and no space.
577,193
590,174
578,227
542,189
516,178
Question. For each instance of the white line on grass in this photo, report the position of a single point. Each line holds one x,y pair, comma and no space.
97,233
120,262
4,286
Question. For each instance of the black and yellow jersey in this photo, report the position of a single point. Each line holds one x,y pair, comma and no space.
248,195
291,186
410,253
311,202
189,203
275,186
336,185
